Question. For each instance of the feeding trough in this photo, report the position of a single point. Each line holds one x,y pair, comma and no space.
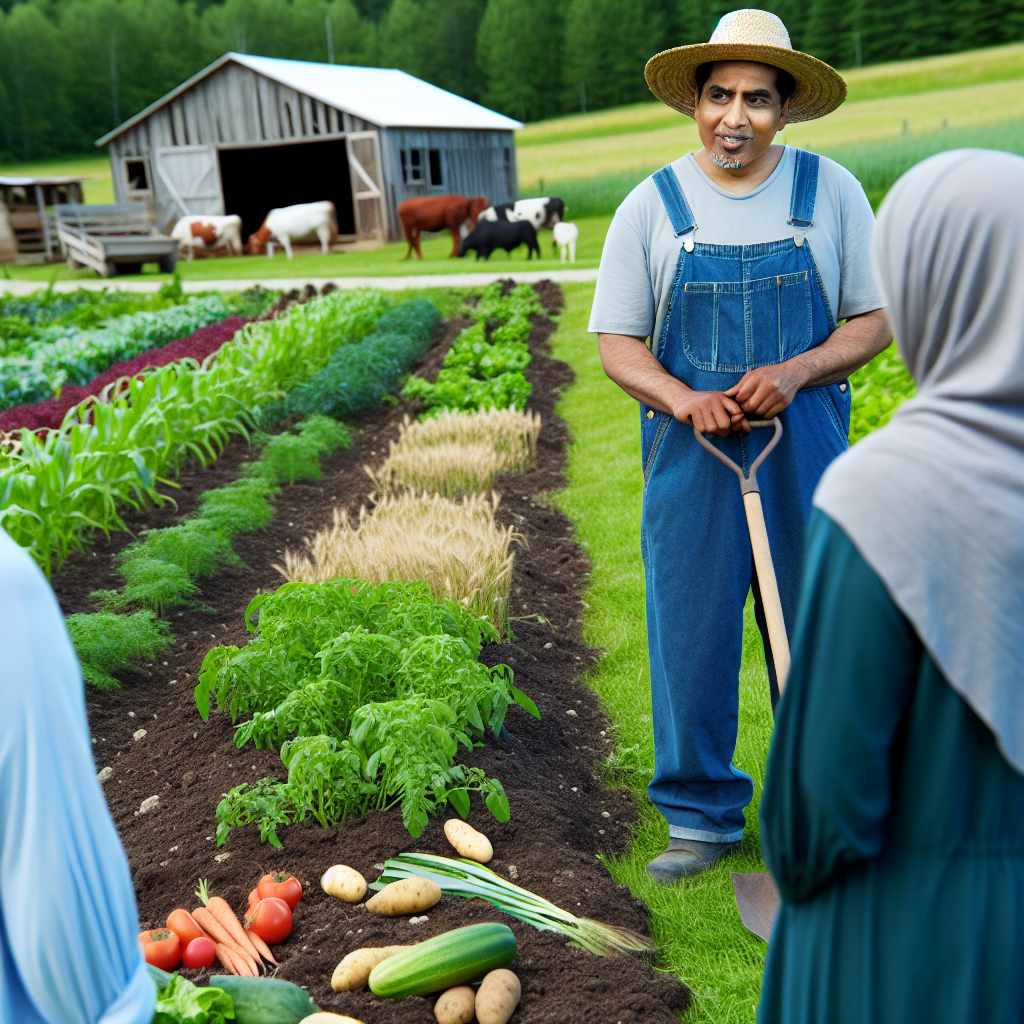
112,239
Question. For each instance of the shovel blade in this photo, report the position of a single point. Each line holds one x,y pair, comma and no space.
758,901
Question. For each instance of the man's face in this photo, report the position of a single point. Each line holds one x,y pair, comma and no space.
739,113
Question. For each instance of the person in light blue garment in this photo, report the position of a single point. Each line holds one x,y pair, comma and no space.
69,926
740,262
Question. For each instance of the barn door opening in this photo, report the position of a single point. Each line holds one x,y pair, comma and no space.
367,185
190,180
259,179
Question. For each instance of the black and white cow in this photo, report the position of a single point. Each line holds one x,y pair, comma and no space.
541,213
500,234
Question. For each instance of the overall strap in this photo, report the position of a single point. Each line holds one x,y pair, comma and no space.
805,191
676,207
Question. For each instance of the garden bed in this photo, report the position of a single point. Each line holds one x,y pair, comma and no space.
558,826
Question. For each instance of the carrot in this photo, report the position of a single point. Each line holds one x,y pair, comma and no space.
262,947
227,961
225,916
218,933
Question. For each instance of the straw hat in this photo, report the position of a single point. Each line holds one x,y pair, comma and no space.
753,35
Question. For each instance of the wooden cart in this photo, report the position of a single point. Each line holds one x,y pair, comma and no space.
115,239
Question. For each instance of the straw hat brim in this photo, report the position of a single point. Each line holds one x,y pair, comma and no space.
672,76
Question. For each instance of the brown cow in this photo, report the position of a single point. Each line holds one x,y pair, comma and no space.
436,213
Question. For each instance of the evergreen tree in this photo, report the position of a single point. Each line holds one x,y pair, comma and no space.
519,48
435,40
607,44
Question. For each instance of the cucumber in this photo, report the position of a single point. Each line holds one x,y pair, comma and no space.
453,958
265,1000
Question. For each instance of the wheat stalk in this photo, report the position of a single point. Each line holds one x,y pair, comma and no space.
456,546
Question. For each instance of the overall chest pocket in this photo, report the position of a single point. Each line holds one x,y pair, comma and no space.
735,326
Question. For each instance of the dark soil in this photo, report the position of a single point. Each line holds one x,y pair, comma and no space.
563,817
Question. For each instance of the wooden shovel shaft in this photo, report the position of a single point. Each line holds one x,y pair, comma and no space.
768,585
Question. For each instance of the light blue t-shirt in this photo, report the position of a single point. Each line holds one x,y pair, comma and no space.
638,264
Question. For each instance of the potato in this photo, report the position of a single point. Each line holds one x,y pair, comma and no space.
497,997
354,970
406,896
344,882
329,1018
467,841
456,1006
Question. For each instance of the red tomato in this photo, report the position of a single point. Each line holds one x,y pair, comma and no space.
161,948
199,952
271,920
254,898
184,925
282,885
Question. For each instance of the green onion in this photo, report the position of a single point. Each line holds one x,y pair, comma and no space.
472,880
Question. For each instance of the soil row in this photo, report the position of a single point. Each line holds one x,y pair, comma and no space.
563,818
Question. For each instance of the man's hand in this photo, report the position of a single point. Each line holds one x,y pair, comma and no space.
711,412
766,391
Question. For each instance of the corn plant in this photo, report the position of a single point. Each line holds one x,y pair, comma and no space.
58,488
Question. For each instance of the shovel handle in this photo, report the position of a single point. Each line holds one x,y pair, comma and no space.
748,482
769,586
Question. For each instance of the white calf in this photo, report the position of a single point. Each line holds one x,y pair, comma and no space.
566,233
208,231
291,223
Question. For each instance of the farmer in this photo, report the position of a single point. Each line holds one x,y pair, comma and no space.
893,809
69,951
738,262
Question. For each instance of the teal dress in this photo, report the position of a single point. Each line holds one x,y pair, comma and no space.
890,821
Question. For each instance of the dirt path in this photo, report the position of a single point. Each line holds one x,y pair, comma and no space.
562,816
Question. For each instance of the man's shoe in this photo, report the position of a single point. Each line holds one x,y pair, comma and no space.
684,858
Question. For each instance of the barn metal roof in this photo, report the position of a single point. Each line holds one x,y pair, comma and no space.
384,96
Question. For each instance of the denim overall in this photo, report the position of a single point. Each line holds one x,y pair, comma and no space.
733,308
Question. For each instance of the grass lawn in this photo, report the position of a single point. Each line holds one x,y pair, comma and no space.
698,928
386,262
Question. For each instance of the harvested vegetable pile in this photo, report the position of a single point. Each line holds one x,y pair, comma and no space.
561,814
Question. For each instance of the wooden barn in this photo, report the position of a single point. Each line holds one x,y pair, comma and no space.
248,134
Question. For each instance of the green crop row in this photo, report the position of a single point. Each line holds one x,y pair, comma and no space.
482,372
25,319
368,692
58,488
161,567
75,357
878,391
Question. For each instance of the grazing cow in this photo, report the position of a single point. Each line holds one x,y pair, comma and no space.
438,213
541,213
292,223
488,236
209,232
565,235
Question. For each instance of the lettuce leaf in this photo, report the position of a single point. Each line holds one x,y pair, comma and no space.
181,1002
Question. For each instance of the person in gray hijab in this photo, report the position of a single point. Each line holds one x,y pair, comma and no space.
893,811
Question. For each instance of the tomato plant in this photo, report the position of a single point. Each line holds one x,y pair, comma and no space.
200,952
271,920
184,925
161,948
282,885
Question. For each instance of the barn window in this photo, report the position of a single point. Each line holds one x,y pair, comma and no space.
412,166
135,172
435,168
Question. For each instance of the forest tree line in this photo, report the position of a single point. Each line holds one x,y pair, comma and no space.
70,70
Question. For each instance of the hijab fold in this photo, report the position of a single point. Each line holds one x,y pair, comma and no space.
934,501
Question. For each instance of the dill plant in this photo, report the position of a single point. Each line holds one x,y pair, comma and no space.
106,643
